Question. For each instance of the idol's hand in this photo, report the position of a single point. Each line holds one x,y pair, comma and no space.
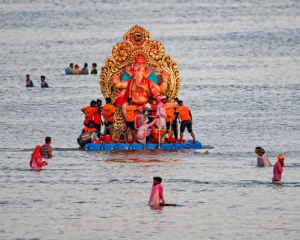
165,75
116,80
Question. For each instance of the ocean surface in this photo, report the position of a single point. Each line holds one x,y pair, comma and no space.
240,66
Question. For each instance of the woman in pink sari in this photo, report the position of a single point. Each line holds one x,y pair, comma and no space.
36,161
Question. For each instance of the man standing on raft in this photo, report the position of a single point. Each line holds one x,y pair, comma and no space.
186,120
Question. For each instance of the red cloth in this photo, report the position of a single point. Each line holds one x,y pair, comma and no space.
277,171
37,162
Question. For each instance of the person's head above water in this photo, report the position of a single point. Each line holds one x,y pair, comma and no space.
71,65
94,65
256,149
180,103
85,65
43,78
48,140
108,100
157,180
91,124
281,160
76,66
260,152
129,100
27,76
93,103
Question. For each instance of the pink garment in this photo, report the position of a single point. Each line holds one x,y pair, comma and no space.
263,161
141,136
277,170
37,162
161,111
156,195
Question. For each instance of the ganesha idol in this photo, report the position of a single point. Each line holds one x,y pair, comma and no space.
138,87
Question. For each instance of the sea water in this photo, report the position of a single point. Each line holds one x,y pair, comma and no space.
239,63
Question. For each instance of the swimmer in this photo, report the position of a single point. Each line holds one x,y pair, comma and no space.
29,83
186,120
36,161
278,169
94,70
76,70
44,84
85,69
156,197
262,160
47,149
70,69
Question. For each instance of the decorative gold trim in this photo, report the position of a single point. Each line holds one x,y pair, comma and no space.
137,42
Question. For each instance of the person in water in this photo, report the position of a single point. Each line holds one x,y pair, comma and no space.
278,169
76,70
47,149
97,116
130,110
262,160
36,161
29,83
156,196
44,84
70,69
85,69
89,112
94,70
108,112
186,120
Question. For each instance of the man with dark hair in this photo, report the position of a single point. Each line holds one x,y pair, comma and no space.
70,69
156,196
44,84
89,112
87,134
94,70
85,69
130,110
108,112
97,116
29,83
186,120
46,148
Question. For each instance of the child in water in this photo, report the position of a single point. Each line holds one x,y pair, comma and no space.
262,160
278,169
36,161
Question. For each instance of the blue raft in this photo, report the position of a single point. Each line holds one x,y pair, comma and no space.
140,146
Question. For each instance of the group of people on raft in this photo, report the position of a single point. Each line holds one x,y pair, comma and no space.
165,115
263,161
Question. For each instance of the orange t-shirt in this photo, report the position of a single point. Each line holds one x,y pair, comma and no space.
107,110
89,113
130,115
184,113
86,129
170,110
97,118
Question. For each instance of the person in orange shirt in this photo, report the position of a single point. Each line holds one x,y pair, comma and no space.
97,116
89,112
170,110
89,128
108,112
130,118
186,120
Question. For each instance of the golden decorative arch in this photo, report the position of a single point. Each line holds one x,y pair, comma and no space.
137,42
